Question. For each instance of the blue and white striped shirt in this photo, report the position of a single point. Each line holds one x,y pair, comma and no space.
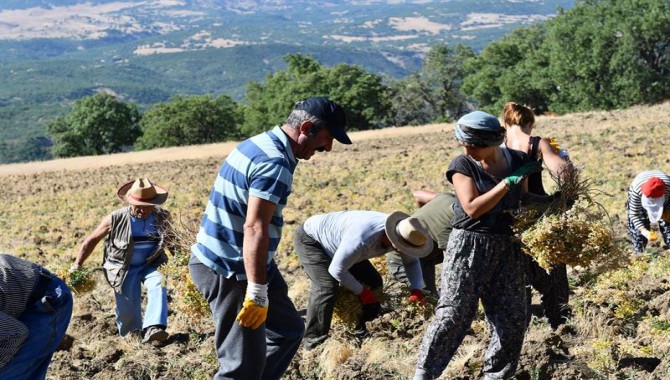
637,213
261,166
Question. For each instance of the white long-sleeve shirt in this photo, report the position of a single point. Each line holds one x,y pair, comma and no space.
350,237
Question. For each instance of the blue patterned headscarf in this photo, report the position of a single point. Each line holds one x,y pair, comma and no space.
479,129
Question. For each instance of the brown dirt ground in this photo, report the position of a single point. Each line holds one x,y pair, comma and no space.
377,172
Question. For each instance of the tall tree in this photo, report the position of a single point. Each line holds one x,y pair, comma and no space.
513,68
410,102
362,95
610,54
434,93
98,124
189,120
443,72
598,55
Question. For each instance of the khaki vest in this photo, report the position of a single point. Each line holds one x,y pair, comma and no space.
119,246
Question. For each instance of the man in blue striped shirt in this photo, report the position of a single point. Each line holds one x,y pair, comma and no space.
258,329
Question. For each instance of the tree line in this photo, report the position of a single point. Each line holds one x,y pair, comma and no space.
598,55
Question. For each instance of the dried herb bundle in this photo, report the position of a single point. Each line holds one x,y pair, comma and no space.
572,229
187,298
80,281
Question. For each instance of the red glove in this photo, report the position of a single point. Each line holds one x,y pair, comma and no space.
417,296
367,296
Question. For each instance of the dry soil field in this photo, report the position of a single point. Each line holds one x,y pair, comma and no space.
621,323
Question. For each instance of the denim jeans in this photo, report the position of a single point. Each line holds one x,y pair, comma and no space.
245,353
47,320
129,301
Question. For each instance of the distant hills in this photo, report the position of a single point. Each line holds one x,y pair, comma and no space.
54,52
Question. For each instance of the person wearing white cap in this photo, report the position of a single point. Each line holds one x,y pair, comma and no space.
648,202
137,235
334,249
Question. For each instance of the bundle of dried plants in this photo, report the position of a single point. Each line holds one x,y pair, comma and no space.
572,228
187,298
81,280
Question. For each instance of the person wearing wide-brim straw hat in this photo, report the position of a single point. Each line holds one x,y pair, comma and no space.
435,211
142,192
137,235
648,202
334,249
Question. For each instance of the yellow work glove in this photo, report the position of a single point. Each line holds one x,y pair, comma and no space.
650,235
553,143
255,307
557,148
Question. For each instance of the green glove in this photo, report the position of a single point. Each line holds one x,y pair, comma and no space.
518,175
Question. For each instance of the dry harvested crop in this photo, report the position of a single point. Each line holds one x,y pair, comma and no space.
574,229
188,300
80,280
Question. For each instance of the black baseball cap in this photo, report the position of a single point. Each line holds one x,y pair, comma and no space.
331,113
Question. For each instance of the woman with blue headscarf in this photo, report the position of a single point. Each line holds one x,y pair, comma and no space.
481,262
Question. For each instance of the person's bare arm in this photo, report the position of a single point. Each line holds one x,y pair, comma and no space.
257,239
473,203
555,163
92,241
423,196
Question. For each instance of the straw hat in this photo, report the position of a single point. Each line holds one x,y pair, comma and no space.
141,192
408,235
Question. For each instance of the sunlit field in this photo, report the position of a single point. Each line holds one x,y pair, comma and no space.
621,323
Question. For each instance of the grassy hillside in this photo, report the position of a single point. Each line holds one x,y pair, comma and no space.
35,92
146,53
621,324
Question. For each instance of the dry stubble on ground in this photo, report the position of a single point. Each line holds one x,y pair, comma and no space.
48,208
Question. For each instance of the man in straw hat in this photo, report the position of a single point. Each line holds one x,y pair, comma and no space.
334,249
436,209
258,329
648,202
137,235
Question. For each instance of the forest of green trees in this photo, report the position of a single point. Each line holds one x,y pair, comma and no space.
598,55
